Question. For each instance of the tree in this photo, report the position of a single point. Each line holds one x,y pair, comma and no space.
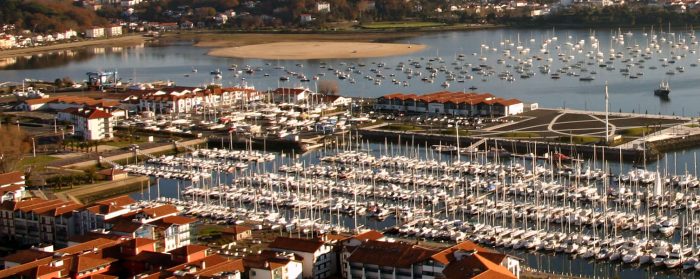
14,144
328,87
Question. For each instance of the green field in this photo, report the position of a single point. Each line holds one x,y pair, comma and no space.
401,24
637,132
37,162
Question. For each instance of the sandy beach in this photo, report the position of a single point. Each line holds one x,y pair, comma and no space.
316,50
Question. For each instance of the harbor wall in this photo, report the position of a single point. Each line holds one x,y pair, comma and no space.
515,146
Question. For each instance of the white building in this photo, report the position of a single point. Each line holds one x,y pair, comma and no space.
173,232
319,259
451,103
186,100
11,186
95,32
323,7
113,30
90,123
273,265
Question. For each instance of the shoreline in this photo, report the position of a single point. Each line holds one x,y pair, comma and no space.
121,40
315,50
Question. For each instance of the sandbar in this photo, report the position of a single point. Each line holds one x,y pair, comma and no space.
316,50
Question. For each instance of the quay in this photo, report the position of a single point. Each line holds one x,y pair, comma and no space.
575,133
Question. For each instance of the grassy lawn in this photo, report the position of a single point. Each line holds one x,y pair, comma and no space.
401,24
693,126
38,161
579,139
636,132
124,143
402,127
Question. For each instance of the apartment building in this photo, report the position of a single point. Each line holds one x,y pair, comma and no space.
319,258
451,103
89,123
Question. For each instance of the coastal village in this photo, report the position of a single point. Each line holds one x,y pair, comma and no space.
359,139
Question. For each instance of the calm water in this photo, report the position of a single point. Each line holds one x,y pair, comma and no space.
173,61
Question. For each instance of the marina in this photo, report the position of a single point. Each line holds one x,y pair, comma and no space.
591,179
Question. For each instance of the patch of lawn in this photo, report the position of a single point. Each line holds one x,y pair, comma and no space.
402,127
38,161
454,132
636,132
579,139
693,126
401,24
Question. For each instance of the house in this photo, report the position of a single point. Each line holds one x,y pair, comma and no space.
212,266
113,30
95,32
113,174
186,25
90,123
11,186
382,259
237,232
290,95
305,18
319,259
173,232
7,41
323,7
96,216
274,265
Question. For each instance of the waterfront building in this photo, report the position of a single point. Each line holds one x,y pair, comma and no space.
319,258
190,99
382,259
450,103
95,32
113,30
64,102
38,220
96,216
89,123
290,95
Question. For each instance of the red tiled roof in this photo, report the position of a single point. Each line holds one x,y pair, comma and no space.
236,229
476,266
369,235
90,261
11,178
118,201
447,255
393,254
178,220
160,211
296,244
27,255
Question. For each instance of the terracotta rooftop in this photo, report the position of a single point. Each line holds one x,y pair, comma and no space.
118,201
296,244
88,113
476,266
14,177
77,100
160,211
26,255
268,260
369,235
236,229
392,254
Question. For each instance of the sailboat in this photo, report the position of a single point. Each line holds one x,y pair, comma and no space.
663,90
